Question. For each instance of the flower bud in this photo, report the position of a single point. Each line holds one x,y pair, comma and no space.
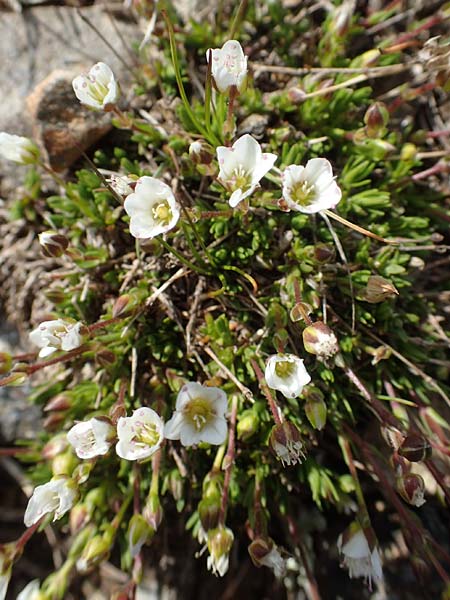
248,424
286,443
15,379
78,518
209,510
201,153
318,339
53,421
5,362
411,488
376,119
95,498
408,152
55,446
139,533
175,483
264,553
152,511
18,149
53,244
56,295
324,253
120,305
64,464
82,471
220,541
96,551
60,402
316,412
392,436
296,95
368,58
400,465
378,289
415,448
105,357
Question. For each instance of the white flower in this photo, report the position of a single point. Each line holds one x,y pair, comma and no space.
360,557
242,167
91,438
98,88
30,591
312,188
273,560
229,66
199,416
57,335
57,496
287,374
18,149
140,435
152,208
220,541
121,184
286,443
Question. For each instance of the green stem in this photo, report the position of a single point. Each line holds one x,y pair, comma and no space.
181,258
238,18
348,457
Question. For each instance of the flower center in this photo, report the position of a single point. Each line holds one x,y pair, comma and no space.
302,192
98,90
146,434
162,213
199,412
240,179
284,368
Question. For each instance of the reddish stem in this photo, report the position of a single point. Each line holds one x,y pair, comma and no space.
267,393
229,460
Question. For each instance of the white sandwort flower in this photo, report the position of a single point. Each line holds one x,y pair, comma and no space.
140,435
121,184
57,496
360,555
287,374
30,591
98,89
152,208
199,416
220,541
229,66
312,188
91,438
18,149
55,335
242,167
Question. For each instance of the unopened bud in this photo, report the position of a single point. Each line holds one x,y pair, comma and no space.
248,424
324,253
96,551
175,483
393,436
400,465
105,357
411,488
376,119
286,443
415,448
5,362
55,446
56,295
14,379
64,464
367,59
59,402
201,153
53,421
82,471
342,18
408,152
380,353
153,512
79,517
53,244
318,339
139,533
296,95
316,412
378,289
95,498
209,510
120,305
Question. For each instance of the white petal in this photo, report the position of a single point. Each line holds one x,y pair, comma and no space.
215,433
